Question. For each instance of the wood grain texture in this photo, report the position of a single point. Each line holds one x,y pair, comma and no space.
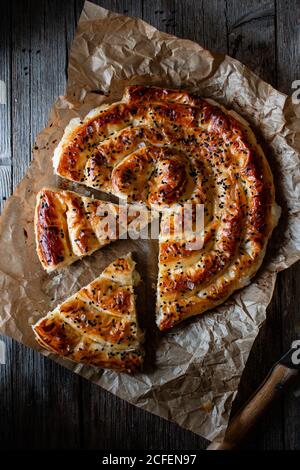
251,39
40,412
6,411
5,106
21,76
288,70
203,22
251,34
288,43
42,404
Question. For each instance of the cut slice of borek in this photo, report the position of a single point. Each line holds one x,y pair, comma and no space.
69,226
98,325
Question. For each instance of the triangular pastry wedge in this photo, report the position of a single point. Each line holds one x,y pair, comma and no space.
98,325
69,226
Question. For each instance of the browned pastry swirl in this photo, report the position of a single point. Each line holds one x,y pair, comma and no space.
166,147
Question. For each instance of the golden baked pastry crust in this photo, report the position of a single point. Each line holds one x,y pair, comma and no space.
69,226
166,147
98,325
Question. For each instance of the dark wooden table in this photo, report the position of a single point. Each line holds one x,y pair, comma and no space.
43,405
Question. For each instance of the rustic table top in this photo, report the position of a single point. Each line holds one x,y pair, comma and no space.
43,405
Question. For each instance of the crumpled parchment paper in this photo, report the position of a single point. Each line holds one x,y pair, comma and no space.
191,373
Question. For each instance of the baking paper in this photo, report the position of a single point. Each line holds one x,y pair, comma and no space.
191,373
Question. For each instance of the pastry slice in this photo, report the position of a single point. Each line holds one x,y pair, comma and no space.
69,226
98,325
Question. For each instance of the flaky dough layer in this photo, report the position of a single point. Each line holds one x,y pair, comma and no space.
98,325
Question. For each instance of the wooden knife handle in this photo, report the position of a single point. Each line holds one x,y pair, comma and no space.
249,414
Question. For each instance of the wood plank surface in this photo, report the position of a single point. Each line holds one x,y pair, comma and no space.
42,404
288,70
6,412
251,33
5,106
